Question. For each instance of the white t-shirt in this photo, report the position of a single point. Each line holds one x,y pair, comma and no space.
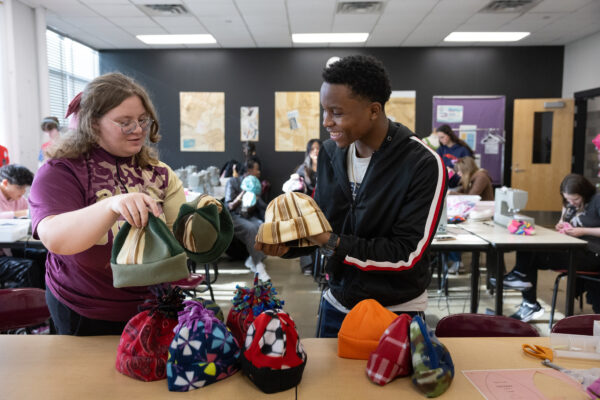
356,168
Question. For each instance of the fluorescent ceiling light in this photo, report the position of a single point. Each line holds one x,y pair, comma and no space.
177,39
329,37
485,36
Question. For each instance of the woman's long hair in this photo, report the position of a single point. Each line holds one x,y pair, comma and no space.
467,167
448,131
99,97
577,184
308,163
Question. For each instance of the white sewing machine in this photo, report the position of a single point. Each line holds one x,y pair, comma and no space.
507,204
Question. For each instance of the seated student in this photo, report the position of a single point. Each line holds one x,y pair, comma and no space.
308,172
246,226
17,270
580,218
473,180
50,127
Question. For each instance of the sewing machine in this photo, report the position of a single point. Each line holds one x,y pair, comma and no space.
507,204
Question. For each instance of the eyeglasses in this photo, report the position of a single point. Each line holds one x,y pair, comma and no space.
130,126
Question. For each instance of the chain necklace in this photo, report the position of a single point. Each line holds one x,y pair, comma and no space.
353,178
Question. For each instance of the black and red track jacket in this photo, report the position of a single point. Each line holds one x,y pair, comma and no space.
386,231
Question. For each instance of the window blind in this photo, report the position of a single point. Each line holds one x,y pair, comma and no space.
71,65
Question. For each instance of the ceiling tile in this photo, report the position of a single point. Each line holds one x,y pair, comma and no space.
559,6
134,22
212,8
117,10
354,23
178,22
69,8
486,22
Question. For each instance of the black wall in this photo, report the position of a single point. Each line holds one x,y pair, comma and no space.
250,78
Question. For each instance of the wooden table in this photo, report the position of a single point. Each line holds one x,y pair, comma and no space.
49,367
501,241
67,367
327,376
464,241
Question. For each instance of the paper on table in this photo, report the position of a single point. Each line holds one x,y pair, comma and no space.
525,384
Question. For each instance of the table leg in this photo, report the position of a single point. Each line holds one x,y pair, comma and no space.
499,260
474,281
570,286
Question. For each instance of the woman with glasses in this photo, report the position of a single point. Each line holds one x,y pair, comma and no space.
97,177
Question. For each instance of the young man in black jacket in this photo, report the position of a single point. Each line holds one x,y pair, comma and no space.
382,190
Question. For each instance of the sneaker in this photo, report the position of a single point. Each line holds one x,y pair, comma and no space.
528,311
262,273
250,264
454,268
514,280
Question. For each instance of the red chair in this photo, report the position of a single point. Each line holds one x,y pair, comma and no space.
577,324
22,308
190,285
593,276
483,325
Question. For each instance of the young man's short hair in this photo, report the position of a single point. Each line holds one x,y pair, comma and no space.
16,174
365,75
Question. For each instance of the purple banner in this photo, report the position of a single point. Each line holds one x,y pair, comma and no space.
479,121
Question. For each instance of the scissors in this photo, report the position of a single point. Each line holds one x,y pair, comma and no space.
541,352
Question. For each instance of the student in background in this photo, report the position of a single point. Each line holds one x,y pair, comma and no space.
14,180
451,149
580,218
245,227
4,159
473,180
98,176
308,169
18,268
50,127
308,172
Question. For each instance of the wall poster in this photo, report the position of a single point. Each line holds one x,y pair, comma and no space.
401,107
296,119
249,124
202,116
479,121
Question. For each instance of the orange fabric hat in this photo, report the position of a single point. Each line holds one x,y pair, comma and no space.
362,328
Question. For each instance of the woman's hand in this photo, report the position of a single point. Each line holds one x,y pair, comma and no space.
576,232
559,225
277,250
134,207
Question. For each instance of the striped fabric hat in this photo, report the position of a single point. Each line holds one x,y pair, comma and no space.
291,218
204,228
147,256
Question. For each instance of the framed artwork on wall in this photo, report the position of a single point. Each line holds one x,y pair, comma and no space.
401,107
249,124
202,121
296,119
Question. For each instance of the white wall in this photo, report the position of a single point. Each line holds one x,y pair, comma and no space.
19,71
581,65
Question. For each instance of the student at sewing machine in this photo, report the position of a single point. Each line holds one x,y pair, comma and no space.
451,149
473,180
580,218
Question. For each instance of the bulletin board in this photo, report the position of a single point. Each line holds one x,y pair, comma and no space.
202,121
401,108
479,121
296,120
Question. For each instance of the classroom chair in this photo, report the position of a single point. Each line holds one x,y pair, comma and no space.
190,284
593,276
22,308
483,325
576,324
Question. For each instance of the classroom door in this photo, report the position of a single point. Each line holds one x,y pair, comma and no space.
542,150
